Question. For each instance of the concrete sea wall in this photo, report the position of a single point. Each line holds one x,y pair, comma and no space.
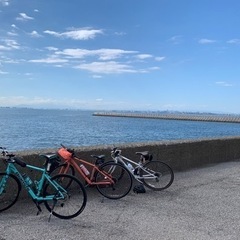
181,155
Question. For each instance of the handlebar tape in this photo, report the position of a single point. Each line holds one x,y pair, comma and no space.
20,162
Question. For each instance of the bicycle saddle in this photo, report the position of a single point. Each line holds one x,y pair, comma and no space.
145,155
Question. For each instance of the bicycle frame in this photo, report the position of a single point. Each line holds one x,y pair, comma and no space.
149,174
76,162
11,169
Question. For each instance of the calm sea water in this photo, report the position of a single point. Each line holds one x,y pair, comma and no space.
25,129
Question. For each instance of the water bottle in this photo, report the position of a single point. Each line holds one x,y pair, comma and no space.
84,169
130,167
27,179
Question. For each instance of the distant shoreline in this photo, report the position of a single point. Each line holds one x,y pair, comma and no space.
173,116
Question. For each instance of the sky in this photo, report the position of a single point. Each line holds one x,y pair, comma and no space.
138,55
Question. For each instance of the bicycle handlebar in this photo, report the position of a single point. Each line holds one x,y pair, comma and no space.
11,158
115,152
71,150
19,162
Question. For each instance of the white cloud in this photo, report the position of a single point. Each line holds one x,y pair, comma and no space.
51,48
9,44
97,76
144,56
206,41
14,26
176,39
224,84
159,59
41,102
35,34
103,54
154,68
2,72
78,34
12,34
21,100
108,54
120,33
106,67
49,60
234,41
24,17
2,47
4,3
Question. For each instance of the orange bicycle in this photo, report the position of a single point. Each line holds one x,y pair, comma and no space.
102,175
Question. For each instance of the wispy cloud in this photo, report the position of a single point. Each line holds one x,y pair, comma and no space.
102,54
224,84
4,2
206,41
2,72
144,56
175,39
9,44
49,60
234,41
110,67
77,34
52,48
159,59
99,61
23,17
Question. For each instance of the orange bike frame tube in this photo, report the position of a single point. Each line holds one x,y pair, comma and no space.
90,179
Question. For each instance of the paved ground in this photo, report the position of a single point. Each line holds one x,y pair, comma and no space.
201,204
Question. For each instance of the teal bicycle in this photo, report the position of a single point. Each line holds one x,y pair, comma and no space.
63,195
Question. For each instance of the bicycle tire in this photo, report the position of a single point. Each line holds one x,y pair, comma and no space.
121,186
61,169
11,191
163,173
75,197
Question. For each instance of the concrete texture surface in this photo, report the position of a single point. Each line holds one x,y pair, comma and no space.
202,204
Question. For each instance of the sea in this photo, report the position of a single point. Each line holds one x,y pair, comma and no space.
34,129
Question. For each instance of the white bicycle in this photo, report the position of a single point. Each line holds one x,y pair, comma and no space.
154,174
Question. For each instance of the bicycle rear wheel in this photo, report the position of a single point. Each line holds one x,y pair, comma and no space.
157,175
62,169
75,196
121,186
10,188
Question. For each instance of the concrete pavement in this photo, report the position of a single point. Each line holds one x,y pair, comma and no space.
201,204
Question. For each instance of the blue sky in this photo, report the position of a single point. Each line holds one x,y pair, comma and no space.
178,55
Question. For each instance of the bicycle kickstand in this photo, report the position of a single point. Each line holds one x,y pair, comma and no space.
37,203
54,203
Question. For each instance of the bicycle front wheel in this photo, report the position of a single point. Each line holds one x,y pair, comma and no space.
74,200
157,175
119,187
10,188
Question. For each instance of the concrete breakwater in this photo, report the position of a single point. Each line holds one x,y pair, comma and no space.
174,116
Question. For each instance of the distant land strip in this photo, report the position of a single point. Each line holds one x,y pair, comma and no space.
174,116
